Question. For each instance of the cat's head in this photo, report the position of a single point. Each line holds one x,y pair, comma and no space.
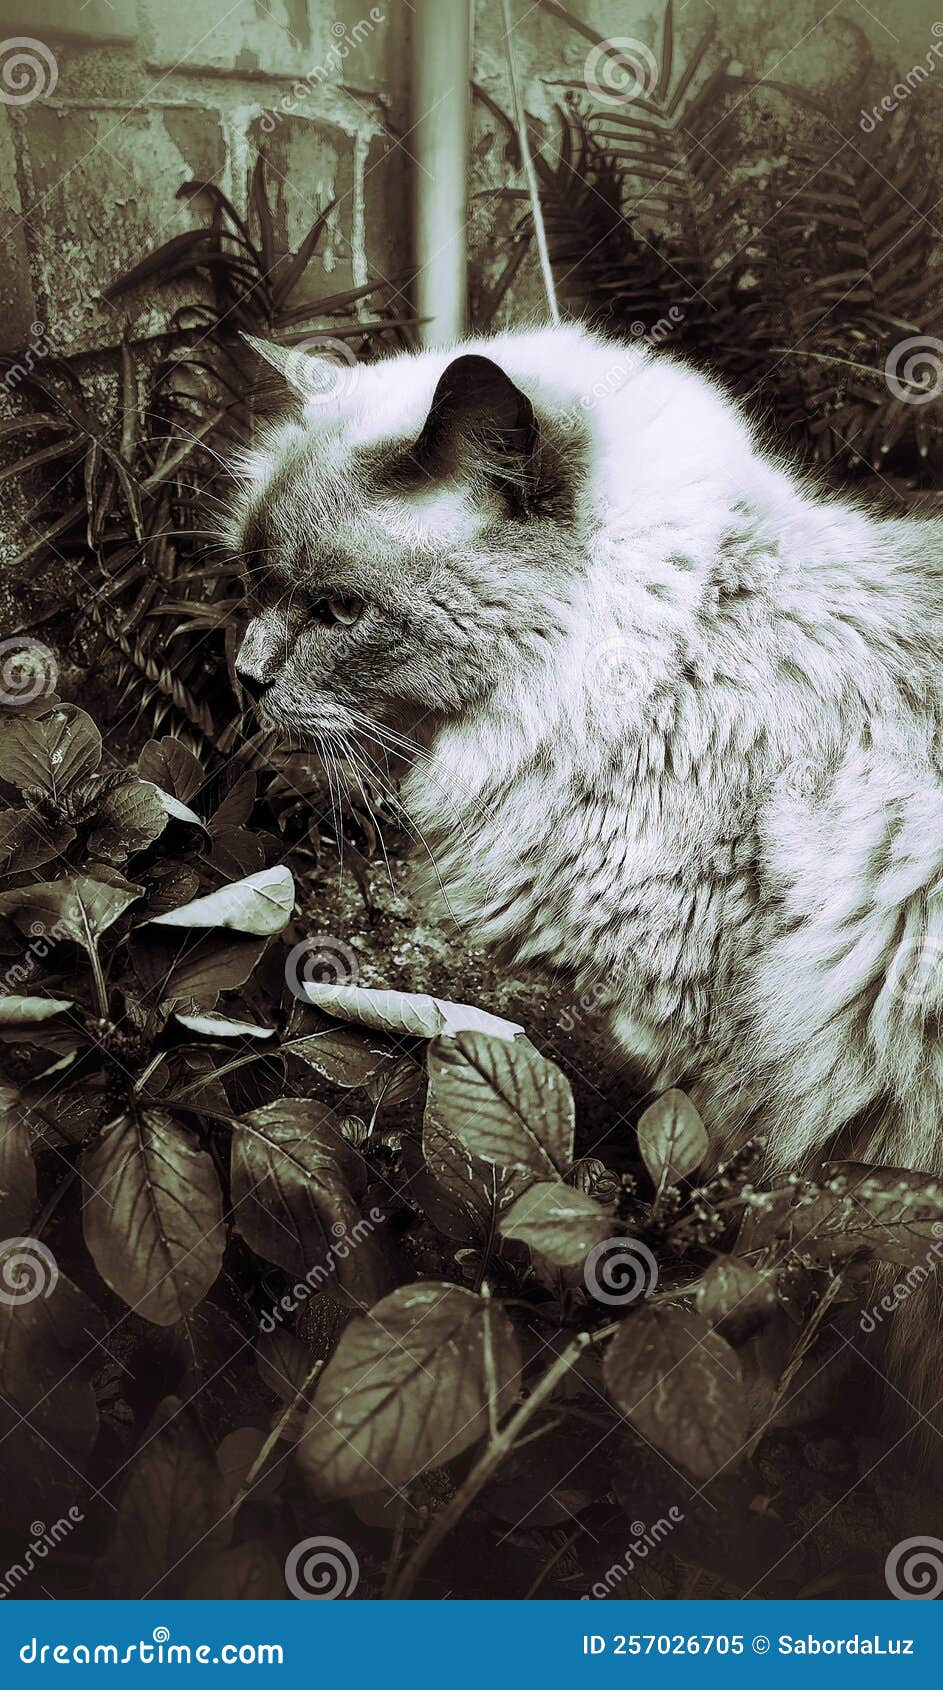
399,569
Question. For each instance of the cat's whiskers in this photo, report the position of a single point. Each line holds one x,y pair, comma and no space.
182,434
333,773
408,752
412,826
360,771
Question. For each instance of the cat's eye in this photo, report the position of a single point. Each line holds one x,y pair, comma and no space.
342,611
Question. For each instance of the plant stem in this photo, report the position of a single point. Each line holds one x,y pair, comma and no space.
249,1482
499,1446
142,1079
49,1209
798,1357
218,1073
548,1567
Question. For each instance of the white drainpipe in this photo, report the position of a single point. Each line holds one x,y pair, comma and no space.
439,143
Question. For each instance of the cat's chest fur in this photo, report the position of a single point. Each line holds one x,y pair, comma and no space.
625,862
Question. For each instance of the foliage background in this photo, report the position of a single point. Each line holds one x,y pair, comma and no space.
796,251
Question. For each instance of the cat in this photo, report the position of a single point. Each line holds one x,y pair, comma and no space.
679,711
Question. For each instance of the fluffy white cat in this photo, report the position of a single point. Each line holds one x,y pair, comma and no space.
681,712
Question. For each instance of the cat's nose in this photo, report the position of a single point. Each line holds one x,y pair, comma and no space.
253,685
258,658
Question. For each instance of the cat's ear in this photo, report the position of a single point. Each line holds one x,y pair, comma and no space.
303,375
479,420
277,357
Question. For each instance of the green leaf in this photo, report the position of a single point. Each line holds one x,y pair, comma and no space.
213,1026
561,1223
51,751
153,1215
169,966
348,1058
675,1379
260,904
735,1297
79,907
235,852
237,806
26,842
174,808
462,1195
171,884
170,1505
128,820
414,1013
235,1457
408,1389
26,1012
672,1138
293,1178
17,1173
169,765
503,1100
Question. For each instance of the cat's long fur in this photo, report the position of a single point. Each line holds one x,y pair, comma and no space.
684,723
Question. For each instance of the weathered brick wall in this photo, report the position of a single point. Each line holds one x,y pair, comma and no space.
150,93
122,102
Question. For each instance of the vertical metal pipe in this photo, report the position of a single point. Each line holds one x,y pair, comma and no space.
439,143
